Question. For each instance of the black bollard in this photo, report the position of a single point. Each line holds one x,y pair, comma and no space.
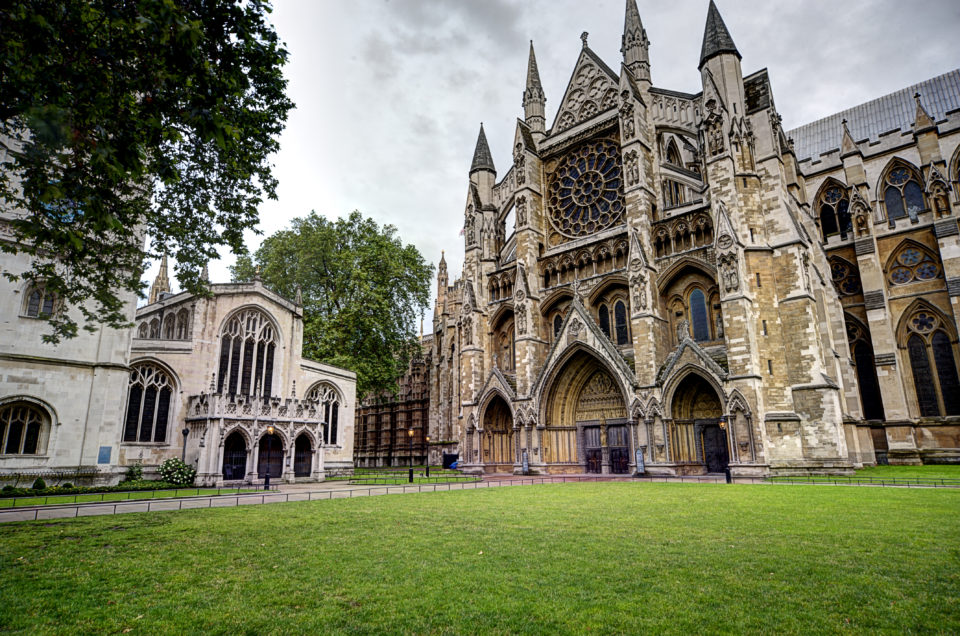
266,481
411,475
726,472
428,469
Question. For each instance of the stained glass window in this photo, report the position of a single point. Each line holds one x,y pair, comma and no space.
604,320
946,372
246,354
903,195
557,323
148,404
585,192
933,364
835,213
20,427
845,277
620,319
913,263
698,314
922,378
40,302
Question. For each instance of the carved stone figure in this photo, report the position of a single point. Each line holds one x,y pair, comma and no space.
468,331
715,137
683,330
627,121
728,270
640,291
519,162
521,211
521,310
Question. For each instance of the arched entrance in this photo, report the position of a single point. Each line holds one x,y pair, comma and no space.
498,434
586,414
234,457
697,433
271,457
302,456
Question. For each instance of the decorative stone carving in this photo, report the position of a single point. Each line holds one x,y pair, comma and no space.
725,241
521,211
632,168
805,270
728,271
683,330
639,283
468,330
626,117
519,162
521,311
715,144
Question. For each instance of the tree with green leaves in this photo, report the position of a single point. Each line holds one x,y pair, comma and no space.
131,128
362,288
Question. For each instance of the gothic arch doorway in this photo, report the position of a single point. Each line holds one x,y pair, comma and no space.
271,457
234,457
497,442
586,417
697,435
302,456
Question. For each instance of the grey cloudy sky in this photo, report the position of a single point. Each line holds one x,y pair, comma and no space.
390,93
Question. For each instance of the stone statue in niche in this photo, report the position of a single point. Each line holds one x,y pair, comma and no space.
521,211
683,330
626,118
521,309
632,168
728,269
719,329
468,330
805,269
715,137
519,162
640,291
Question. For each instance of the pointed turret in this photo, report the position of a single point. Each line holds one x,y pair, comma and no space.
847,145
635,46
161,283
534,102
716,37
482,159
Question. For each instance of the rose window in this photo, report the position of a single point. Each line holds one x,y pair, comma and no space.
913,264
585,193
845,278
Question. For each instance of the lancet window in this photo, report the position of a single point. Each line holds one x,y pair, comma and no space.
40,302
21,428
148,404
834,206
328,400
247,350
902,192
932,361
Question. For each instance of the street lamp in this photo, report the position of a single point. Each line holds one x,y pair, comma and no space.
427,454
266,473
410,435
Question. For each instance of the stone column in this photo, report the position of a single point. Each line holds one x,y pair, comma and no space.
254,465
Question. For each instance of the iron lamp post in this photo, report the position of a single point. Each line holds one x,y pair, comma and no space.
266,473
410,435
427,453
183,457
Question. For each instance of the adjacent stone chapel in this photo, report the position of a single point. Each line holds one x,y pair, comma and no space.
673,283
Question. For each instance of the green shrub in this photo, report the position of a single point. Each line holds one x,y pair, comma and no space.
39,484
67,485
8,488
176,472
135,471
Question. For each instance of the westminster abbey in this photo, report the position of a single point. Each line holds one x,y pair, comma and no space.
672,283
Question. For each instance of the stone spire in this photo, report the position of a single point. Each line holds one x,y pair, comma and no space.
716,37
482,159
635,46
161,283
534,100
923,119
205,274
442,279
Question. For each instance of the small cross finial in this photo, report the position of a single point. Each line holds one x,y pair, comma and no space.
844,122
916,96
583,38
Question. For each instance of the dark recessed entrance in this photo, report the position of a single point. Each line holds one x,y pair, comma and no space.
271,457
592,449
696,434
619,449
234,457
302,457
714,440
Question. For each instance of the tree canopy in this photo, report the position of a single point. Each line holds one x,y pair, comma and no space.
362,292
126,119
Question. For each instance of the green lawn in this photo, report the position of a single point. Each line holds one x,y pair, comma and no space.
621,557
54,500
418,478
920,474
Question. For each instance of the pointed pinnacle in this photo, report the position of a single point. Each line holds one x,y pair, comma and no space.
716,37
533,73
482,159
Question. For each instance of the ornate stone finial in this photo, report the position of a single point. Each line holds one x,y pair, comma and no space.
256,273
213,382
293,390
299,297
205,274
923,119
583,38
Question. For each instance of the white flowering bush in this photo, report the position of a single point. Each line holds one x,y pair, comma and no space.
176,472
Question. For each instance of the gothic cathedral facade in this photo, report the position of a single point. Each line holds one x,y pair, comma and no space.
672,283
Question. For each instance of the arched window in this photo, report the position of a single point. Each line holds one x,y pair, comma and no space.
183,318
913,263
902,193
169,327
329,407
698,316
40,302
933,364
148,404
673,156
557,324
845,277
247,349
21,428
834,206
862,351
144,330
604,315
155,328
673,194
620,319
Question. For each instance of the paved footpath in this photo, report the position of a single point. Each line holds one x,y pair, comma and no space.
287,492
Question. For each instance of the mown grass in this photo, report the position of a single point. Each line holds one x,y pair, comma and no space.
919,474
59,500
418,478
621,557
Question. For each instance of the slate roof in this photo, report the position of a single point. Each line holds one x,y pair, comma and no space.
482,159
896,111
716,37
